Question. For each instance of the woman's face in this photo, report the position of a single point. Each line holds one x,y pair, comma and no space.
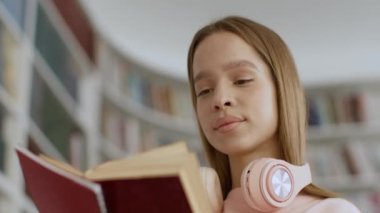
236,99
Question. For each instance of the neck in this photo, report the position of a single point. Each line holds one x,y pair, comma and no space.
268,149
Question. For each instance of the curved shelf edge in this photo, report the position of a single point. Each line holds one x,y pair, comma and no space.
149,116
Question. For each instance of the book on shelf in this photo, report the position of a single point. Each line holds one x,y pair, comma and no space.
364,157
337,108
166,178
321,111
350,107
149,138
181,103
160,98
327,162
78,23
371,107
56,54
8,61
120,129
132,81
113,126
54,120
135,83
358,158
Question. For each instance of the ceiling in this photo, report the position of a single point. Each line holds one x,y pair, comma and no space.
331,40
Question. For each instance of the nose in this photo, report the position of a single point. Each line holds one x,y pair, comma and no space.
222,106
222,99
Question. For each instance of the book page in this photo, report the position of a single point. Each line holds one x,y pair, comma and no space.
62,165
139,160
134,168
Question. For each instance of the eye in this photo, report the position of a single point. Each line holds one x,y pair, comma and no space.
204,92
243,81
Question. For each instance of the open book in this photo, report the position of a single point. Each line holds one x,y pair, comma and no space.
165,179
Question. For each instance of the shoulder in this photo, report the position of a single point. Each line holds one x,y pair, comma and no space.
335,205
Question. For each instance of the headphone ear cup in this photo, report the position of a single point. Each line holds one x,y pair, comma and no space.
250,183
268,184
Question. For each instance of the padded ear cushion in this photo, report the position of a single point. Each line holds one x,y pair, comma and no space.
213,188
268,184
250,183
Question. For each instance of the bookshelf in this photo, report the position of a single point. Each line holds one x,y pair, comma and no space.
344,139
67,92
140,108
43,78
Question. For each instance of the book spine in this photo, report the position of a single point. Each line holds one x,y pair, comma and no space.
77,150
358,161
371,107
79,25
9,58
132,132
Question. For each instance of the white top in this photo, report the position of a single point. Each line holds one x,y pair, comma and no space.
235,203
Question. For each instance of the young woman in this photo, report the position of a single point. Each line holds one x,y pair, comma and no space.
250,105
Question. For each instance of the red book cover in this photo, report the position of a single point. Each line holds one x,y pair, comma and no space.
55,190
158,194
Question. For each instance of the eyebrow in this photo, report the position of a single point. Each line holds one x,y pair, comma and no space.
228,66
239,63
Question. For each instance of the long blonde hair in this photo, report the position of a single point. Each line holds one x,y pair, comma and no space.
290,95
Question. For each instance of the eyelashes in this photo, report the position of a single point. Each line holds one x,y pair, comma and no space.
239,82
204,92
243,81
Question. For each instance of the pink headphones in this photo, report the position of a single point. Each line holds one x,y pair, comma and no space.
269,183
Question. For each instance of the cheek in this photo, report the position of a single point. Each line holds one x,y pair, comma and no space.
265,105
271,106
202,114
271,110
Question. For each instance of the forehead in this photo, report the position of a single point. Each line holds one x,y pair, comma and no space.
224,43
221,50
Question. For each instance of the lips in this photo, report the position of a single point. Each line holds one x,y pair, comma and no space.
226,123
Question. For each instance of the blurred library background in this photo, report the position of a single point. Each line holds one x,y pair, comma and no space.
70,88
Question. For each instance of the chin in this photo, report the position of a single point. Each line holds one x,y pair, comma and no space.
235,148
